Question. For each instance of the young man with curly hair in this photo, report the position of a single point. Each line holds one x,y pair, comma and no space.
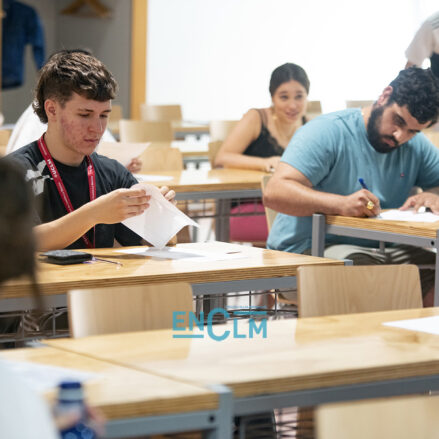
82,197
320,170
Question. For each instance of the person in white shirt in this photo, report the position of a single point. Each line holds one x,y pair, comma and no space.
425,44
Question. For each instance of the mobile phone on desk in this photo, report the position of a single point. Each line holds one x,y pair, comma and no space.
66,257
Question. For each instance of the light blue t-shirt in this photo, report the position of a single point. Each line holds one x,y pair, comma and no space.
333,152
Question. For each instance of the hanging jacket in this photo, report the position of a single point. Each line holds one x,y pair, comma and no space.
21,26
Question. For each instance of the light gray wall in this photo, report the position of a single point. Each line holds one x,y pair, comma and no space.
108,39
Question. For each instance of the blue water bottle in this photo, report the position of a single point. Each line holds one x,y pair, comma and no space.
71,402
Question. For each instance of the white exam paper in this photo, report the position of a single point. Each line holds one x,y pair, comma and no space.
161,221
147,177
181,253
122,152
409,215
42,378
425,324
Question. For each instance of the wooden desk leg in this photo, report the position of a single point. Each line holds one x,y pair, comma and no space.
318,234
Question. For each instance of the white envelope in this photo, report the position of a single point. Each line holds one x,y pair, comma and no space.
161,221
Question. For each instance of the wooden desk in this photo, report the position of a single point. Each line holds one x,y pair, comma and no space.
222,185
136,402
259,269
400,232
301,362
181,128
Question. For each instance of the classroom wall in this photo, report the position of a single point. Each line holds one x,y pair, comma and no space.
108,39
215,57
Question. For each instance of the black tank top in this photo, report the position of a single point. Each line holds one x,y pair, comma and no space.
265,145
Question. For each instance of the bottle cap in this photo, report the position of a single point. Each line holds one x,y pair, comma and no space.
70,391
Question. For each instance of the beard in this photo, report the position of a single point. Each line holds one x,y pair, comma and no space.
373,132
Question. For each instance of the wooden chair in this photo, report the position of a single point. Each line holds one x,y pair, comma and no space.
433,136
220,129
358,104
114,118
403,418
313,109
135,308
161,159
143,131
353,289
156,113
4,139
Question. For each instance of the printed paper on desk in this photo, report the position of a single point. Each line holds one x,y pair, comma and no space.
122,152
161,221
409,215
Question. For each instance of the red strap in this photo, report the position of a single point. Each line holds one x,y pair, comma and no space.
60,185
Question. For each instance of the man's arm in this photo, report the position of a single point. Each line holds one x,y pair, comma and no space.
111,208
290,192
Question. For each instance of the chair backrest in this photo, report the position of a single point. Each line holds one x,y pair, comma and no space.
214,147
354,289
358,104
4,139
433,136
220,129
401,417
161,112
161,159
314,107
270,214
125,309
114,118
144,131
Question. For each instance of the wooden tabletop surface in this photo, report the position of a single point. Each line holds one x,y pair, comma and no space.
118,391
196,180
138,269
428,230
297,354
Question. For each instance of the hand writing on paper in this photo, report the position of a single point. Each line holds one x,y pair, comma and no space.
425,199
120,204
356,204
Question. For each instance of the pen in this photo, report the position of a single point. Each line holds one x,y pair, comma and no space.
363,184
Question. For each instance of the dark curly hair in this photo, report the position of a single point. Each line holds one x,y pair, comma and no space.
288,72
419,90
72,71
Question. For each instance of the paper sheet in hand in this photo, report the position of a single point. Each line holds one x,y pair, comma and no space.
147,177
42,378
409,215
425,324
161,221
122,152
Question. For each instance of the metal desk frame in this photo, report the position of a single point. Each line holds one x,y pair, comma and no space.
223,199
320,229
216,424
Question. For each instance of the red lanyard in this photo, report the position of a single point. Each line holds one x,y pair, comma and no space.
60,185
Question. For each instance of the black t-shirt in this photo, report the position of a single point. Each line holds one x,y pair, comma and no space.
110,175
